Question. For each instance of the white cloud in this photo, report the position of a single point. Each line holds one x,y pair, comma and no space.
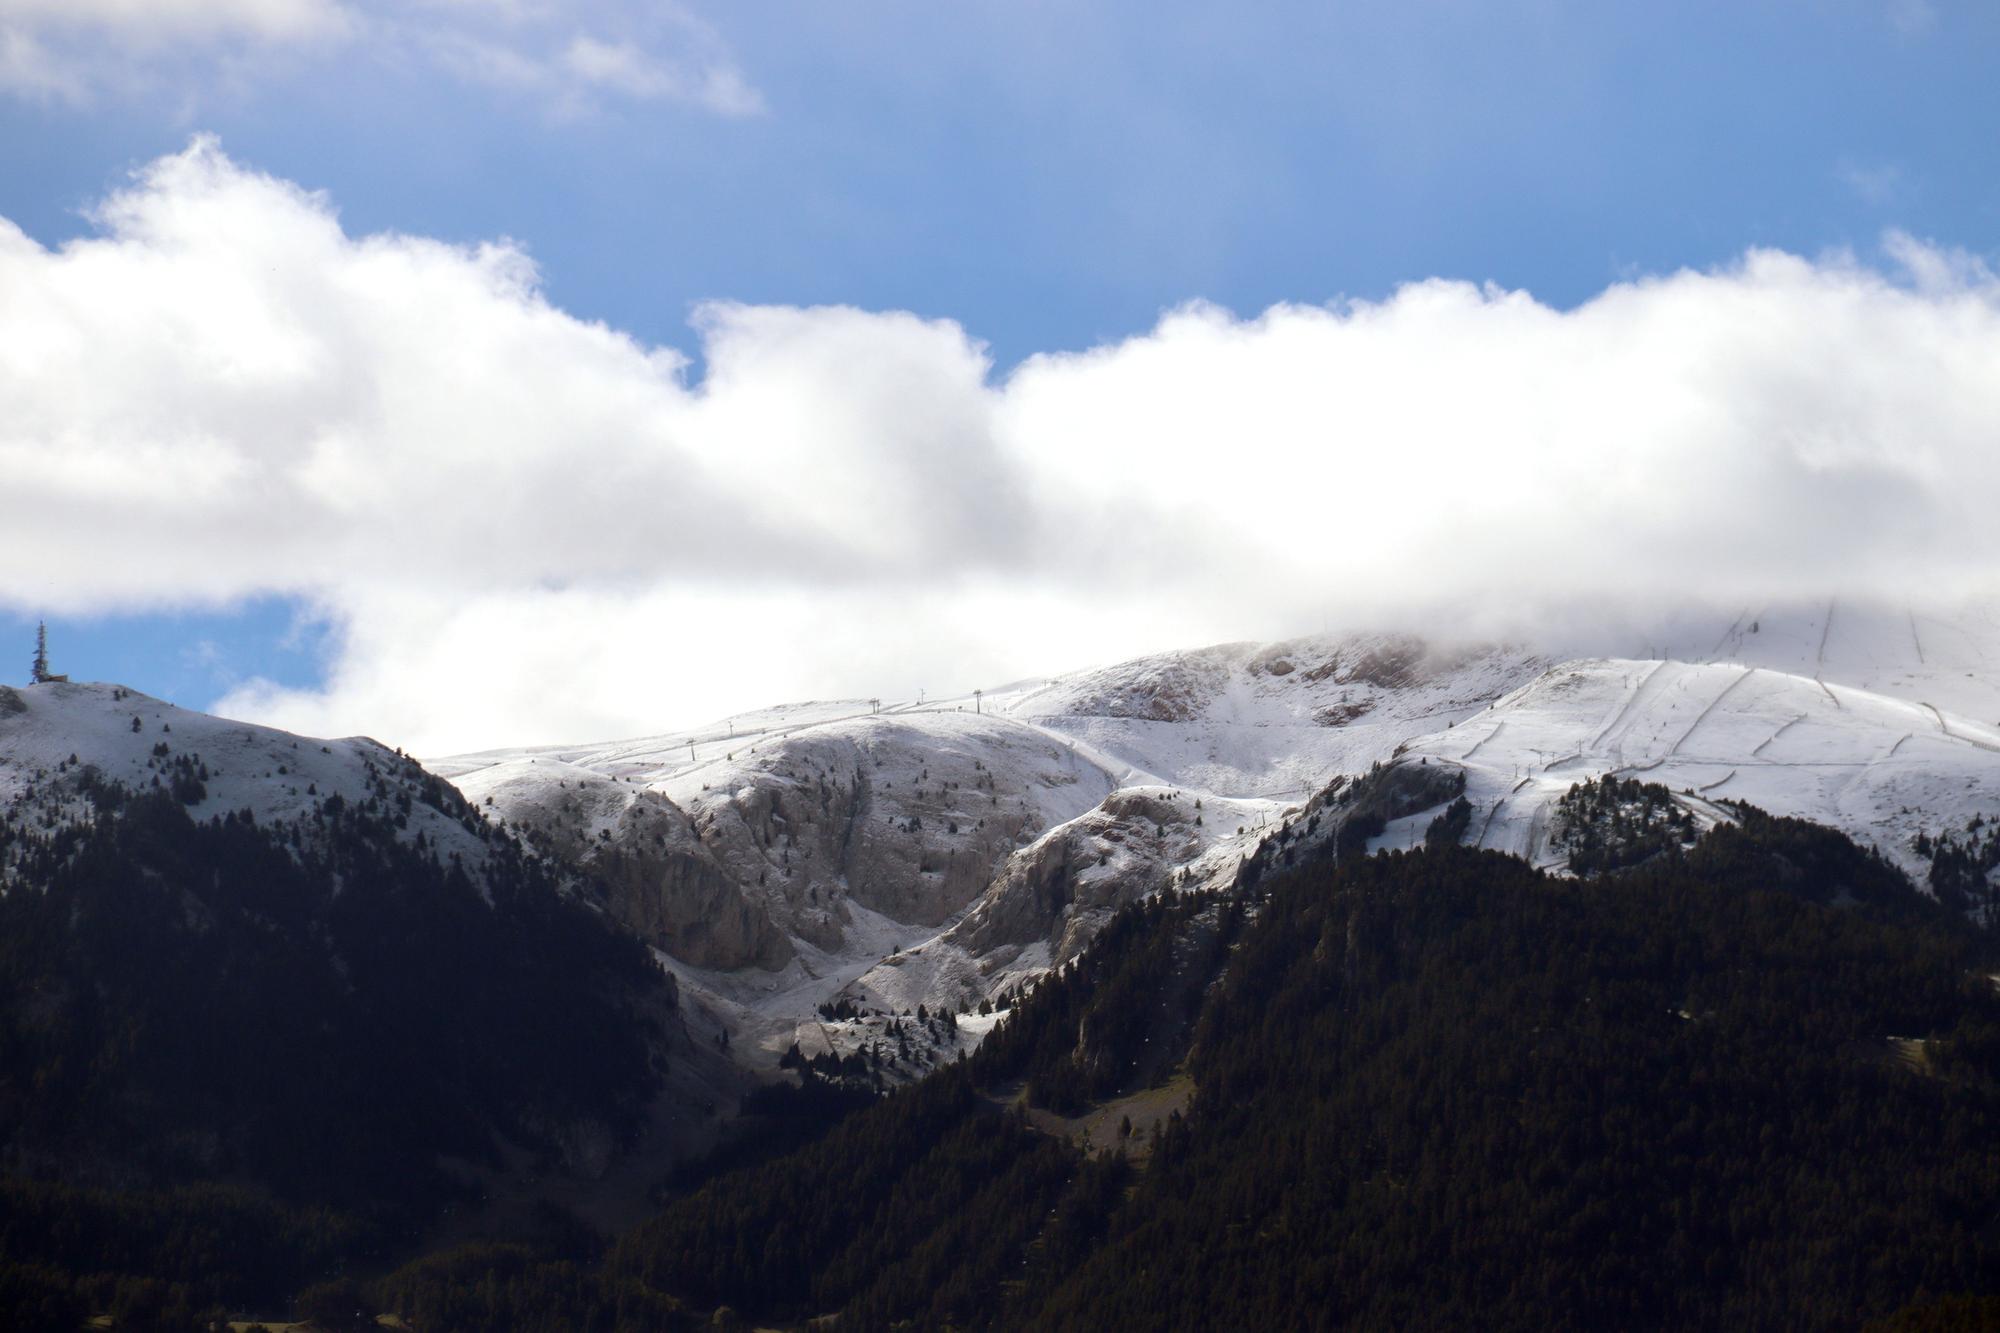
71,50
528,526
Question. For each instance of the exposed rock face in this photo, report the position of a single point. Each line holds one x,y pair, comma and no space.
664,887
729,865
1051,898
1065,883
659,880
1061,889
884,817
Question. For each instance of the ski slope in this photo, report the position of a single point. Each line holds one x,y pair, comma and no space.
1949,658
1879,768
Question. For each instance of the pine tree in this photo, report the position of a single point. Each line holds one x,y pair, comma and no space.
40,672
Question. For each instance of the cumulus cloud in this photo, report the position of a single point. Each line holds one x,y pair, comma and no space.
72,50
523,525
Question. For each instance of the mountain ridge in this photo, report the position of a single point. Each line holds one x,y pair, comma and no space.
1197,756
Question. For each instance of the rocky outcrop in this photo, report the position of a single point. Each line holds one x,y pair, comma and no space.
1061,889
739,863
1064,884
912,834
667,890
1169,687
643,853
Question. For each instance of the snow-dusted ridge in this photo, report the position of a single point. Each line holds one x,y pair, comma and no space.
1113,782
51,733
935,851
1273,721
1880,769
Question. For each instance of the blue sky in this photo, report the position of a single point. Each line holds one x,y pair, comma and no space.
1049,177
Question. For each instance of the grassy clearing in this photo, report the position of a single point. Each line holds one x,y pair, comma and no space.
1102,1129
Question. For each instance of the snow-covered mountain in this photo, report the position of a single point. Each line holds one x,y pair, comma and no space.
406,971
1879,768
313,931
50,735
910,852
936,852
1273,721
1949,660
904,853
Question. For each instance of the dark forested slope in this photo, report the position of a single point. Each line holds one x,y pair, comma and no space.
236,1059
1749,1082
1755,1085
1440,1089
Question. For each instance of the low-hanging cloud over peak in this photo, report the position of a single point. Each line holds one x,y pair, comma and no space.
528,525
